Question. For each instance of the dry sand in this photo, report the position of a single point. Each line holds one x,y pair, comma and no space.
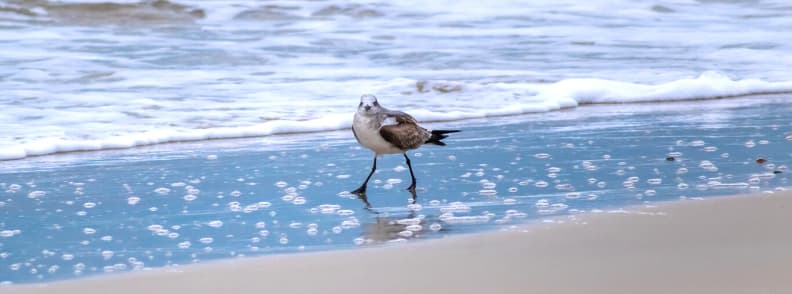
737,244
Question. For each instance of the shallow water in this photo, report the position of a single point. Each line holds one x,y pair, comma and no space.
89,75
82,214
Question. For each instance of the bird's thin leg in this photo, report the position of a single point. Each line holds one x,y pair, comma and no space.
411,188
362,188
364,198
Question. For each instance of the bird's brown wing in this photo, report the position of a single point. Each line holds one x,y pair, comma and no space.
405,134
401,117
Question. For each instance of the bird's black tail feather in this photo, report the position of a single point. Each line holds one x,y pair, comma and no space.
438,135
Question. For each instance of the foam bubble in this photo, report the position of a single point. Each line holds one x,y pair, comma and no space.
132,200
13,188
345,212
406,234
475,219
708,166
162,191
36,194
458,207
409,221
488,192
414,228
107,254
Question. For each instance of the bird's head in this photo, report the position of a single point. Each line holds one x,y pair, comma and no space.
369,105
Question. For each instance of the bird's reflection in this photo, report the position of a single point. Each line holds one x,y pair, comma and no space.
388,228
363,197
384,227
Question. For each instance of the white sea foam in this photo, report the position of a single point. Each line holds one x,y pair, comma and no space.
547,97
68,88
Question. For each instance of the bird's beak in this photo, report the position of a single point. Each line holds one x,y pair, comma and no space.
367,107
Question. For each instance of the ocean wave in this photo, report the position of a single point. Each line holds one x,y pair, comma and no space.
158,12
106,12
445,101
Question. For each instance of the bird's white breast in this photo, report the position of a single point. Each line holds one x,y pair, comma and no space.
369,136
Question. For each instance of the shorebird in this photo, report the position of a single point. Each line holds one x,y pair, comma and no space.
385,131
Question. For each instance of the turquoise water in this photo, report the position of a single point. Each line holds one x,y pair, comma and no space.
83,214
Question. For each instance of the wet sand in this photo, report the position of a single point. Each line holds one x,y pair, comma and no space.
738,244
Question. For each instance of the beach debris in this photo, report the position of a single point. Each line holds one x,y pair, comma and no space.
672,156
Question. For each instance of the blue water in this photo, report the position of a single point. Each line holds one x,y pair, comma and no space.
82,214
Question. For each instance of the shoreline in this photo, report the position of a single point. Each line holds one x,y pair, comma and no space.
734,244
314,127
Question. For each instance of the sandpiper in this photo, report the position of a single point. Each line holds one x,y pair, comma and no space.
385,131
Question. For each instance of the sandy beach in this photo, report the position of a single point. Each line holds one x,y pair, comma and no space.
735,244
